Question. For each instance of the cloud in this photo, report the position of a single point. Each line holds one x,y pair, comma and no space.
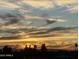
71,5
72,9
40,4
5,4
46,4
66,2
35,9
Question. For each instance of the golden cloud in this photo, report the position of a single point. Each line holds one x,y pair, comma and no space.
66,2
40,4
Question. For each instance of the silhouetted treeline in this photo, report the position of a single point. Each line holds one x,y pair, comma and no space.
34,53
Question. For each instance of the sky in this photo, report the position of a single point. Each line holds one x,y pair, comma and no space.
60,9
24,11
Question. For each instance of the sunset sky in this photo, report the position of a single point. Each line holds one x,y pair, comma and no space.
33,10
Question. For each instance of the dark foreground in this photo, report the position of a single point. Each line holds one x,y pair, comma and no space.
34,53
42,55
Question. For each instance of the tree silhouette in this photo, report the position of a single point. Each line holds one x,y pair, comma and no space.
76,45
43,48
7,49
35,47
